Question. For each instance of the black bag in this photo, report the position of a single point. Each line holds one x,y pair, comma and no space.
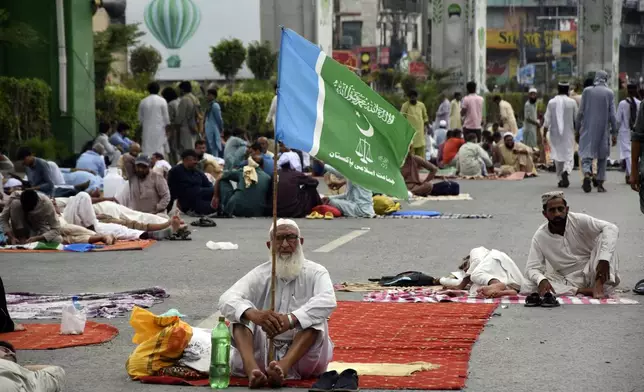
407,279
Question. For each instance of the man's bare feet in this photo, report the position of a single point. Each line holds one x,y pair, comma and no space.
175,222
276,374
492,291
256,379
109,239
18,327
598,290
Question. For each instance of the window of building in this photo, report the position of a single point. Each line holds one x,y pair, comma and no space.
495,18
351,34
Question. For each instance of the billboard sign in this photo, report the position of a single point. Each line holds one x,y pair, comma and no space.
184,30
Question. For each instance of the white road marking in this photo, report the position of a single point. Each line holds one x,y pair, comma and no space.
419,202
338,242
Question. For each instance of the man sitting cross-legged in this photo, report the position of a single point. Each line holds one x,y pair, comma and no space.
492,274
304,301
29,216
579,249
31,378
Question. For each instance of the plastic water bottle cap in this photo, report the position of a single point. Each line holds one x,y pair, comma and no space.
74,299
222,319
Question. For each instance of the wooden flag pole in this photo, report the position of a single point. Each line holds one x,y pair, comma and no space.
273,245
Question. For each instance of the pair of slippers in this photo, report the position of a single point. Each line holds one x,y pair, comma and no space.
639,287
317,215
347,381
547,301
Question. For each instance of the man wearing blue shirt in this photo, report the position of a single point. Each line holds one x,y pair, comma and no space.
39,175
119,139
93,160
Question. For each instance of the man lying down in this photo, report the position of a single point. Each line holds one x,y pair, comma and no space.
491,274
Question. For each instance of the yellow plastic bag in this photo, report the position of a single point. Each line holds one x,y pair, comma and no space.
384,205
161,341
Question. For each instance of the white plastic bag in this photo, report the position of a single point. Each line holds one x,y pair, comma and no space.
73,322
221,245
197,354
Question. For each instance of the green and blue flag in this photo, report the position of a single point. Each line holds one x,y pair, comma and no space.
325,109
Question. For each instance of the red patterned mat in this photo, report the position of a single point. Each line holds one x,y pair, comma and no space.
48,337
442,334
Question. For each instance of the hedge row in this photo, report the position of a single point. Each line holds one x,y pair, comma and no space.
24,111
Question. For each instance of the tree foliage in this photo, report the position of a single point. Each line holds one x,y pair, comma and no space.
145,59
115,38
261,60
228,57
14,33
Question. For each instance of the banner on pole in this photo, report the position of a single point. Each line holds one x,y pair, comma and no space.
326,110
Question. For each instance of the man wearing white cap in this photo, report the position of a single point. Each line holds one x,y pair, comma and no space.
304,300
531,124
579,249
560,118
515,156
440,133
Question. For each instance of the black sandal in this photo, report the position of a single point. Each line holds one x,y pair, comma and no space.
204,222
533,300
639,287
549,301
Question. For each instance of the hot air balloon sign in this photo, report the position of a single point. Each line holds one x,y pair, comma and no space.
172,23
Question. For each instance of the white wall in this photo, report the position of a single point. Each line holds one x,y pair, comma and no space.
220,19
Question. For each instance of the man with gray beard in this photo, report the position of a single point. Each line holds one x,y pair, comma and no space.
304,300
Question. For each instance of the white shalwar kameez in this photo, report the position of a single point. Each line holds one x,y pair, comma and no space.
79,211
486,265
154,118
310,297
624,134
560,120
572,258
117,211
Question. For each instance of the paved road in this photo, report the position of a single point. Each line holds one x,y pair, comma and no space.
572,348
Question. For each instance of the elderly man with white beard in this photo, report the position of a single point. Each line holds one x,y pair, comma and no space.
304,300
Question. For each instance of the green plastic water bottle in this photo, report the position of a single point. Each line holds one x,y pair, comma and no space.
220,356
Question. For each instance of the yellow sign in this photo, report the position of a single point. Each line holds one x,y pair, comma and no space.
509,39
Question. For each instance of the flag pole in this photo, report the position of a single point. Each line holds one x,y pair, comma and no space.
271,353
273,245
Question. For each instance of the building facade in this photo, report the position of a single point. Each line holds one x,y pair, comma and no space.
376,33
530,32
631,50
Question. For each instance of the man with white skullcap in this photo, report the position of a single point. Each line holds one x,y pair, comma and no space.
304,300
579,249
515,156
531,124
440,133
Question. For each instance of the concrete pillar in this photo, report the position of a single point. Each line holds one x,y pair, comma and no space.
458,40
599,33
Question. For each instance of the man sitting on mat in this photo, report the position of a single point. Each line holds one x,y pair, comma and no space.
30,378
355,202
29,216
492,274
580,250
410,171
304,300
